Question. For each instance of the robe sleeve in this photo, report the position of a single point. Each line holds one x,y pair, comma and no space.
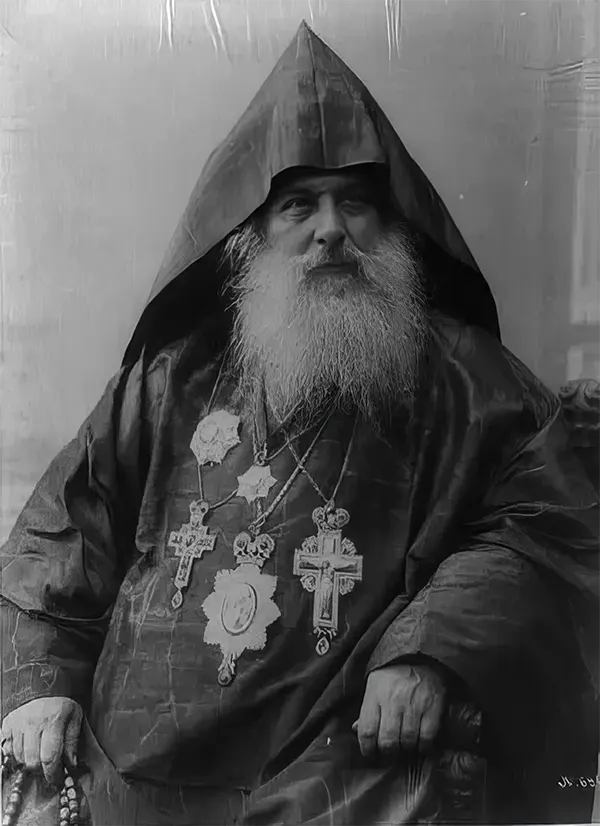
513,612
67,554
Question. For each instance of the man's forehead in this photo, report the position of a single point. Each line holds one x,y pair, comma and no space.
319,180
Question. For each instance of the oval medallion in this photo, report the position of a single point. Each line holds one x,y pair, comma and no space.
239,608
207,430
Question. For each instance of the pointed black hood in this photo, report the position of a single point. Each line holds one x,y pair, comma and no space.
312,111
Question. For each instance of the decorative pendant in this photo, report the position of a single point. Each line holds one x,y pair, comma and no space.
214,437
328,566
256,483
240,608
190,542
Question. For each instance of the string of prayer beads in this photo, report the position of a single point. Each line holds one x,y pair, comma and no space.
69,813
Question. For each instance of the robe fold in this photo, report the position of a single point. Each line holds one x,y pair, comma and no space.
475,540
475,525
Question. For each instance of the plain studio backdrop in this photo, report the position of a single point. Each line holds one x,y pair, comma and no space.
109,109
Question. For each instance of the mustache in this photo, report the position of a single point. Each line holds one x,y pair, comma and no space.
245,244
344,253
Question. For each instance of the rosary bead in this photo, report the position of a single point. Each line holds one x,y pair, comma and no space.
69,782
11,809
6,820
64,812
64,800
71,794
73,806
73,817
15,797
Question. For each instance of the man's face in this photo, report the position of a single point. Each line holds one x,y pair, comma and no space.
317,213
329,298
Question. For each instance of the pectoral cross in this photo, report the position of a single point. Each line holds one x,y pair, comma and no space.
328,566
190,542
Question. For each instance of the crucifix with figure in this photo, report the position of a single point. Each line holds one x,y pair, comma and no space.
328,566
190,542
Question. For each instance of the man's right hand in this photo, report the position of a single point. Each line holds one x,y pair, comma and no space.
42,734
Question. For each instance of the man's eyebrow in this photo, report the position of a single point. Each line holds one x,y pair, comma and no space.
357,187
348,188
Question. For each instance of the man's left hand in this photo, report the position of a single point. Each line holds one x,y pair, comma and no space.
402,708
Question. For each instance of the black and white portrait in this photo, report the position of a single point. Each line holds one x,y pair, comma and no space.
300,412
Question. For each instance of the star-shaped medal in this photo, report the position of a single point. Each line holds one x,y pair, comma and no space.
215,435
256,483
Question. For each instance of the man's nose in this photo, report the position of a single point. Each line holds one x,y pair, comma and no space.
330,228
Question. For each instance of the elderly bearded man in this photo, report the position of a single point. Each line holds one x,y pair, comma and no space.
318,497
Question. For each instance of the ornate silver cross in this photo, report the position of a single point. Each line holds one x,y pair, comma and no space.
328,566
190,542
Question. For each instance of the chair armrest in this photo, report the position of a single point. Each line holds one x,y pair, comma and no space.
461,766
580,402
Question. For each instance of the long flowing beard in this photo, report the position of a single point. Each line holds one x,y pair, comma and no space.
316,340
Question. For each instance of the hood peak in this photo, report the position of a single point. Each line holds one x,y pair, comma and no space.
311,111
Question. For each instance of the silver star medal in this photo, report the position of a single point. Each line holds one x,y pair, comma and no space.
256,483
214,437
241,607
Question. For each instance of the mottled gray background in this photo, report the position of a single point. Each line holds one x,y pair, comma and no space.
109,109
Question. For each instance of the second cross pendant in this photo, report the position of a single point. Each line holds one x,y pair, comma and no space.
328,566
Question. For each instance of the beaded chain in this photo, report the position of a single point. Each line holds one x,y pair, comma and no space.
11,812
69,802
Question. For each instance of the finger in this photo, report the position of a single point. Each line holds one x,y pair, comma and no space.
72,736
5,732
51,751
430,724
390,726
31,747
368,729
411,724
17,747
6,737
7,746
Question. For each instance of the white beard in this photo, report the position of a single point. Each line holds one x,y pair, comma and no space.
313,340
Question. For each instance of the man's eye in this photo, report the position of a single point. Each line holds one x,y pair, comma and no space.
356,204
296,203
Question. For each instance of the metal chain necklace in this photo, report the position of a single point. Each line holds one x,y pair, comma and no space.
241,606
215,435
260,520
258,479
209,444
328,502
